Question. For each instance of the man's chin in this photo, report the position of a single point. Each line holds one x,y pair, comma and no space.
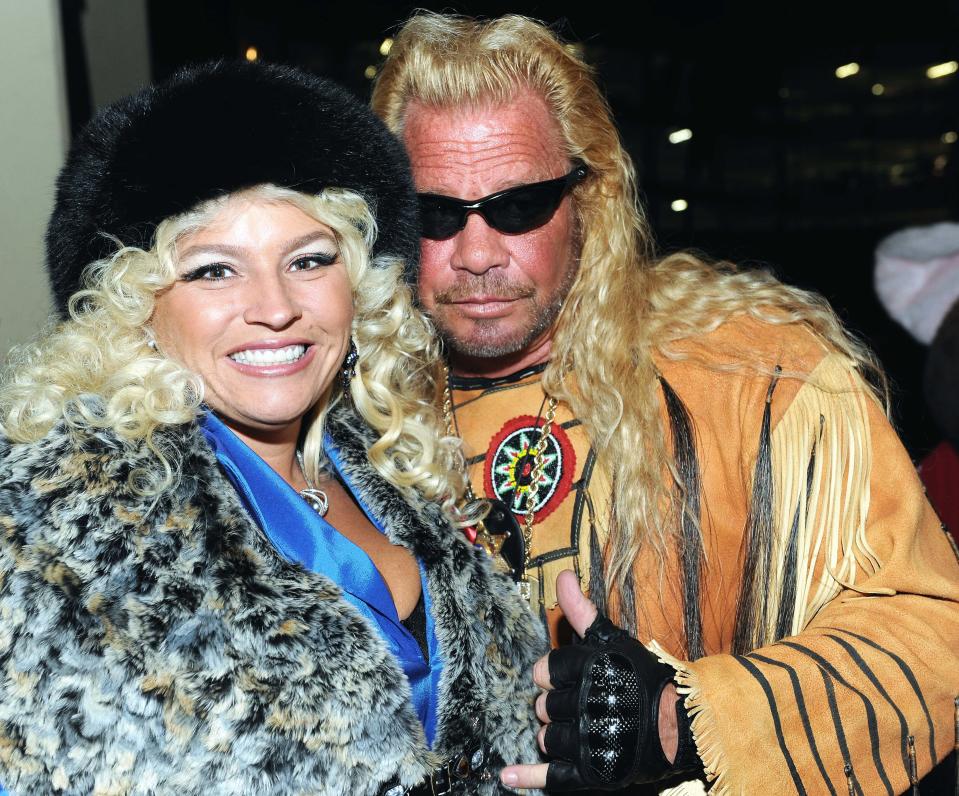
485,344
492,339
477,350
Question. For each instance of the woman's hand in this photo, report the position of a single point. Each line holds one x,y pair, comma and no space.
601,708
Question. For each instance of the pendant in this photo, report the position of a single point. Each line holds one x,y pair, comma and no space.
522,586
529,589
505,534
317,500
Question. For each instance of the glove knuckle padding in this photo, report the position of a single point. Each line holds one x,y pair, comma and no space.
604,730
612,703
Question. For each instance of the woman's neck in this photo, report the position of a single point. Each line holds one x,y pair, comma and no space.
277,447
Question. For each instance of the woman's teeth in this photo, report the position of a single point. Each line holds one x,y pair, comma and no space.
269,356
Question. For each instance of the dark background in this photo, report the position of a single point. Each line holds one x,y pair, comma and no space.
788,167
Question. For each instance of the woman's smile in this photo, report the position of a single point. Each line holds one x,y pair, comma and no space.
268,360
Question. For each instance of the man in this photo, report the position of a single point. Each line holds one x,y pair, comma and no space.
699,445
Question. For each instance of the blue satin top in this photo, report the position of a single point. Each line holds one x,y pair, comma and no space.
300,534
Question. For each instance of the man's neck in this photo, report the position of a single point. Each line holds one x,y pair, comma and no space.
496,367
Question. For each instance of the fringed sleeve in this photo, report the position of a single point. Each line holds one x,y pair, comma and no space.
848,683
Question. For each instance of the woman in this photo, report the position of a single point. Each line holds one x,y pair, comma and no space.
226,557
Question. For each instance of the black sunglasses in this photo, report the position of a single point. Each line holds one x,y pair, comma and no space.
512,211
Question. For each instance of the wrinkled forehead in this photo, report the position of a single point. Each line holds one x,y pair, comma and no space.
468,147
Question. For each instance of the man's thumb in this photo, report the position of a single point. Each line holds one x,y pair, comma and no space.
577,608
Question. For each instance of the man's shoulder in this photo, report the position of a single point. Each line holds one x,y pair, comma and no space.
725,375
743,346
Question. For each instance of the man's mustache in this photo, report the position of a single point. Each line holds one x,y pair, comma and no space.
499,287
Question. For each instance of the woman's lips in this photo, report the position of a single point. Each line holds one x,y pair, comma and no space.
260,360
280,355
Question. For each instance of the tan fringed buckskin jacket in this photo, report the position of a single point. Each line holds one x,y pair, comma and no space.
814,622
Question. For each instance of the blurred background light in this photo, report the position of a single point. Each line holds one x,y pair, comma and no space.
942,70
847,70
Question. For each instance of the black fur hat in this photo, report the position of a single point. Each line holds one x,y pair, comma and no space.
211,130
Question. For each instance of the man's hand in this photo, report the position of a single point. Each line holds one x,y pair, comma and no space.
606,704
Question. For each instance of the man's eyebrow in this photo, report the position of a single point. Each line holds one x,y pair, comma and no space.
239,251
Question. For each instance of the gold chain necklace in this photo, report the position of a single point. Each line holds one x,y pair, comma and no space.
532,492
487,540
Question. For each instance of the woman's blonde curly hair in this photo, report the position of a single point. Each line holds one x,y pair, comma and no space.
623,304
104,350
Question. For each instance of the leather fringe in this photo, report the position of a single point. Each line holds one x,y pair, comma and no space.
703,723
822,454
753,599
691,546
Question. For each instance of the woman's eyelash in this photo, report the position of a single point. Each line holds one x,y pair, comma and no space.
323,258
217,271
211,271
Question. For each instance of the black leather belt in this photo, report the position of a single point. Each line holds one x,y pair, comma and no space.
447,778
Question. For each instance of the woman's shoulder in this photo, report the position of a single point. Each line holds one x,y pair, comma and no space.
80,455
71,438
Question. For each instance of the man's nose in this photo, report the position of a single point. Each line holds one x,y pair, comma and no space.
479,247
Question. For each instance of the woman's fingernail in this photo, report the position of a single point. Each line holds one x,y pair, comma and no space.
509,777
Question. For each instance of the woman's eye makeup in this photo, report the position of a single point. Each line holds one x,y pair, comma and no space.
209,271
308,262
215,272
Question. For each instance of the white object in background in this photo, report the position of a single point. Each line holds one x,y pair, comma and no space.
917,276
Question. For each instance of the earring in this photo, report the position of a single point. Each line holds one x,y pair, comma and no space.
349,366
152,343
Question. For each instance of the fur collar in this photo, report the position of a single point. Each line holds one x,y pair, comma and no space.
152,646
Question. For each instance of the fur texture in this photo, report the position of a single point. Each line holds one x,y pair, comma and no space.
211,130
163,647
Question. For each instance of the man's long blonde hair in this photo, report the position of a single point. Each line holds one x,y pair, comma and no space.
624,304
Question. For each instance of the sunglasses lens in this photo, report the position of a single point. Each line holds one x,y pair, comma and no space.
524,208
511,212
439,219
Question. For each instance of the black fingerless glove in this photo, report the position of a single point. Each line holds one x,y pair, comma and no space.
604,714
